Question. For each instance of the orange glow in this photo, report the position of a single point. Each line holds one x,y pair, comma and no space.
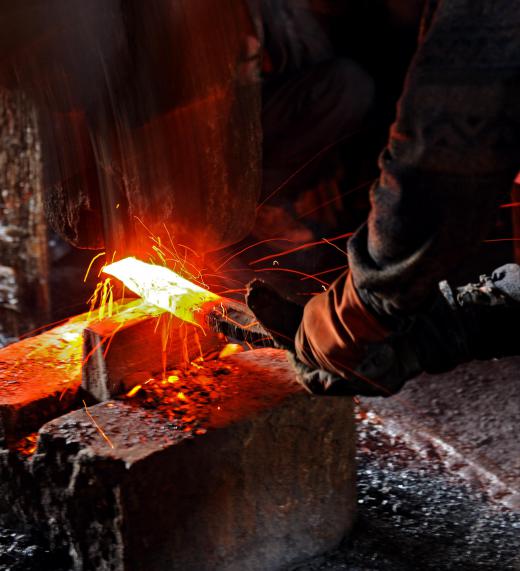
162,287
230,349
28,445
181,396
134,391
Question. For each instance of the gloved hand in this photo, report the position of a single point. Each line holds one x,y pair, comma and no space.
283,319
501,288
339,347
280,316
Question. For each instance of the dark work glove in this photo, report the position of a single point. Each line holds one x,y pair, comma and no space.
380,372
476,321
281,317
501,288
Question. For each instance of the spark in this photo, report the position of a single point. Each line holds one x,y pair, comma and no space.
302,247
334,246
247,248
105,353
230,349
94,349
306,164
103,296
336,198
99,429
501,240
91,264
324,272
297,272
134,391
33,332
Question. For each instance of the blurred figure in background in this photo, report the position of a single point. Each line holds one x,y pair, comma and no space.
312,102
451,158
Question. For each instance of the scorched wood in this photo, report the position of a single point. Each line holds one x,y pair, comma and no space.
24,296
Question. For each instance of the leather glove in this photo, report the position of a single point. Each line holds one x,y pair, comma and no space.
282,318
340,348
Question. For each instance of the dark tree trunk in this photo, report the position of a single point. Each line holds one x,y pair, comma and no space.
23,232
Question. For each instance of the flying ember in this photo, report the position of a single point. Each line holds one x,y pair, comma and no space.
162,287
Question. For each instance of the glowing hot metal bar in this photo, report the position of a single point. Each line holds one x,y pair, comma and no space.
165,289
162,287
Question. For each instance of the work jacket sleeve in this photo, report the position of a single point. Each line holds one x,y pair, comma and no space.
451,157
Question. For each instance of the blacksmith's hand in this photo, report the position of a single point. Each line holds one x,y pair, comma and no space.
282,318
333,341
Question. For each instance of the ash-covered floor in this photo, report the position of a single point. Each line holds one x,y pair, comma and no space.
413,514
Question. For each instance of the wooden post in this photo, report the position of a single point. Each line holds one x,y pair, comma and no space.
24,294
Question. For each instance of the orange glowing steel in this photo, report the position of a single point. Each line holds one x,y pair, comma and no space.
230,349
134,391
162,287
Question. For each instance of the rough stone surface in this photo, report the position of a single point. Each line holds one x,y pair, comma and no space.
142,340
264,480
39,378
474,412
413,513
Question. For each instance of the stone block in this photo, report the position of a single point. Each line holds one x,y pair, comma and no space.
253,474
128,348
471,415
39,378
